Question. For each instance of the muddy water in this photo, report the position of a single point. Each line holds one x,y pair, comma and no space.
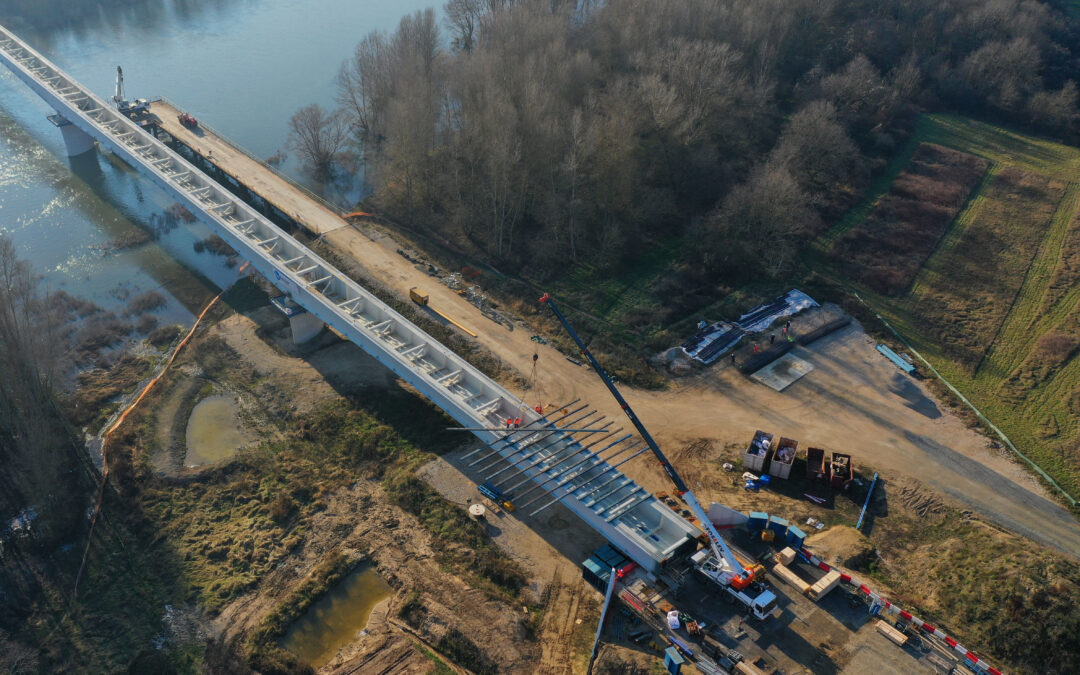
214,431
335,619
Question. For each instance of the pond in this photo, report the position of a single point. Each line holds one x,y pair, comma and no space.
335,619
214,431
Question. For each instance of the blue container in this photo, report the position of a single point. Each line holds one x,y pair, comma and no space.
673,660
778,525
758,520
795,537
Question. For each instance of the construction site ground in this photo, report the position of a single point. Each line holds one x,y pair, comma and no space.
854,400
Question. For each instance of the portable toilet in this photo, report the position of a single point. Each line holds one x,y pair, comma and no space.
795,537
673,660
778,525
758,520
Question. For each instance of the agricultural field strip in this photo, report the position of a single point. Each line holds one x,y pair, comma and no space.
877,190
954,232
1007,350
1029,316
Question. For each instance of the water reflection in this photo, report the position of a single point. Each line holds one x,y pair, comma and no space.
336,618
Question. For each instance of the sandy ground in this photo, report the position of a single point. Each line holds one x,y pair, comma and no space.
359,520
282,194
854,400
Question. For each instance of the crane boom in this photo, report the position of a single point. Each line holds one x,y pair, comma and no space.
719,547
118,97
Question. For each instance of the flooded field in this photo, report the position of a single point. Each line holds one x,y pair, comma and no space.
214,431
333,621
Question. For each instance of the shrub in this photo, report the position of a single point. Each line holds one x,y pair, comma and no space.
145,302
281,507
1054,348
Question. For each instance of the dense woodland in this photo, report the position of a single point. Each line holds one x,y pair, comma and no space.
548,132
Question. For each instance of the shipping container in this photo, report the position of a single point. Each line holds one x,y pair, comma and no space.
783,458
757,455
815,465
779,526
758,520
795,537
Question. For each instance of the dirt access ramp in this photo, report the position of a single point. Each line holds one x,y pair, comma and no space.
854,400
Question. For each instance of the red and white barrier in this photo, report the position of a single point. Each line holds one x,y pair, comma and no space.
972,658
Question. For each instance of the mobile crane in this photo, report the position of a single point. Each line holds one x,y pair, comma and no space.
129,108
718,563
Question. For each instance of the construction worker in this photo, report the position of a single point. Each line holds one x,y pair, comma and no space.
755,348
772,338
732,358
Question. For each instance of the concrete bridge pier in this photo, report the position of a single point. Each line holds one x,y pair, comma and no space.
303,323
77,141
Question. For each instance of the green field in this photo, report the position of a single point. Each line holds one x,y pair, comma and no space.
996,307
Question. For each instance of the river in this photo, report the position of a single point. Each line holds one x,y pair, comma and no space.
242,66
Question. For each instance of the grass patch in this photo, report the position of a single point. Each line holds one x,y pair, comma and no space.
996,307
886,251
98,390
989,589
460,541
969,286
262,650
464,652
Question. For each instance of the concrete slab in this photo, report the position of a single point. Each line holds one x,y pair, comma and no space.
782,372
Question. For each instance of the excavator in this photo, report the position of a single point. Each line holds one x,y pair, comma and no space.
717,564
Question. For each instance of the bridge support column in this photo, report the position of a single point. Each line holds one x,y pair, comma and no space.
304,327
304,324
77,141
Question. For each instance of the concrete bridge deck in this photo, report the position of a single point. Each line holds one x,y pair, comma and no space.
278,191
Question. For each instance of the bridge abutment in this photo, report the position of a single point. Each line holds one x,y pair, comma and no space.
77,141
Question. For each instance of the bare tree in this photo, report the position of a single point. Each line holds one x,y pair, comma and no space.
364,85
463,19
318,137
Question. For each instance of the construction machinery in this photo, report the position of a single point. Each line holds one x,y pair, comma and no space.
717,563
129,108
422,299
187,121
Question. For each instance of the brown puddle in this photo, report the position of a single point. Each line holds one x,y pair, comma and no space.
214,432
335,619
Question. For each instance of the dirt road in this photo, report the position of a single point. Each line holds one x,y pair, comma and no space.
853,400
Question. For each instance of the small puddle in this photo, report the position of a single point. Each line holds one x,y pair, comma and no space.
214,431
333,621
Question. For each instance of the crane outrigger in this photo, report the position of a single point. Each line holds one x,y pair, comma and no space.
717,563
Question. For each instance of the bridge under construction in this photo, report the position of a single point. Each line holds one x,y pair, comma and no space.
538,455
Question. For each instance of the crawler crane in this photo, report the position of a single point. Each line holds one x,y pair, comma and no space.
717,563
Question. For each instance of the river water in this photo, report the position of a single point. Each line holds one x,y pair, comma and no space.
242,66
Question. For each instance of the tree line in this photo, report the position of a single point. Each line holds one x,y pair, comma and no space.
543,133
